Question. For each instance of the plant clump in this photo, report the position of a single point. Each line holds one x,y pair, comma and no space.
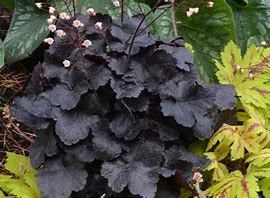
114,109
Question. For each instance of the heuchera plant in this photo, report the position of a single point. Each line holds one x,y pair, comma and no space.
114,115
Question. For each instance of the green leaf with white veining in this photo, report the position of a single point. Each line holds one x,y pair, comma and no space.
27,30
251,20
81,6
208,32
160,21
2,53
163,25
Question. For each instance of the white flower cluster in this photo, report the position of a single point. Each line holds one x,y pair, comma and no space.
191,11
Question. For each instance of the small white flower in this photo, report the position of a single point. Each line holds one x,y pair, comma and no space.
210,4
51,20
194,10
242,70
197,177
52,10
64,15
251,76
60,33
91,12
264,43
77,24
39,5
86,43
116,3
52,27
98,25
189,13
48,40
66,63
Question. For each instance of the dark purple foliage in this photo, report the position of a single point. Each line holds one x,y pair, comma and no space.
115,122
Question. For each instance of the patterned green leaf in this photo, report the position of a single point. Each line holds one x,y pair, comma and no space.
248,74
18,164
207,31
260,159
81,6
265,187
235,185
251,20
27,30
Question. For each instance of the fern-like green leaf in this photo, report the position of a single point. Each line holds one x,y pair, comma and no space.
235,185
260,159
237,139
265,187
219,169
18,164
249,74
22,183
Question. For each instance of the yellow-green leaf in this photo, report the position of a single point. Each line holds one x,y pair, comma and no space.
249,74
260,159
18,164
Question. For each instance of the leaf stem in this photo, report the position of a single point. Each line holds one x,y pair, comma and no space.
138,27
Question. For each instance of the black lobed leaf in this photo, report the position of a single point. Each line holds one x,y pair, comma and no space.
64,97
82,153
36,105
124,126
125,89
57,179
178,158
139,179
106,146
140,104
182,56
194,108
148,151
44,145
73,126
23,110
37,81
100,75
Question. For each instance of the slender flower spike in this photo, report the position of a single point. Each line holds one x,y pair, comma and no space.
91,12
52,10
98,25
50,41
39,5
60,33
52,27
77,24
210,4
86,43
66,63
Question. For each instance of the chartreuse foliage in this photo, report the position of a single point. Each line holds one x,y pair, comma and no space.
21,182
240,153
